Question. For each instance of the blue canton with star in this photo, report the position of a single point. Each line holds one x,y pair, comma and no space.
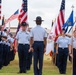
62,5
25,5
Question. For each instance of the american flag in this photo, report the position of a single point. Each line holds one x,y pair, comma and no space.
23,12
60,19
0,8
14,16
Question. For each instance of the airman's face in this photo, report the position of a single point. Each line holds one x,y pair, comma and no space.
38,22
24,28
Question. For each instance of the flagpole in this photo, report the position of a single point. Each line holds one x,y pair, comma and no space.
9,26
53,21
52,25
72,44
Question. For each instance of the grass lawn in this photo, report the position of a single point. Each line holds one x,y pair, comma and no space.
48,69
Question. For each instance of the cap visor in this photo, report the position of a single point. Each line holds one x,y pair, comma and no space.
40,20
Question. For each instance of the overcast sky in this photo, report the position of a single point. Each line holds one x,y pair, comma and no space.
47,9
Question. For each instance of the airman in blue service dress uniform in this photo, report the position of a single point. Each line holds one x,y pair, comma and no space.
38,44
63,49
12,52
2,38
23,46
6,50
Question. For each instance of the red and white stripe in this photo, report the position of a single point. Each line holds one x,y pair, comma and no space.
11,18
23,15
59,23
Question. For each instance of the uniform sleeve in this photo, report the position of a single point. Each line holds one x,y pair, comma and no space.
29,37
9,39
17,36
4,34
45,35
31,33
12,40
57,41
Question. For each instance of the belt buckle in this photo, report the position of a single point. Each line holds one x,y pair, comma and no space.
23,44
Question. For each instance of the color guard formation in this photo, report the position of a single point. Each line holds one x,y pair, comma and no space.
66,49
6,47
35,40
